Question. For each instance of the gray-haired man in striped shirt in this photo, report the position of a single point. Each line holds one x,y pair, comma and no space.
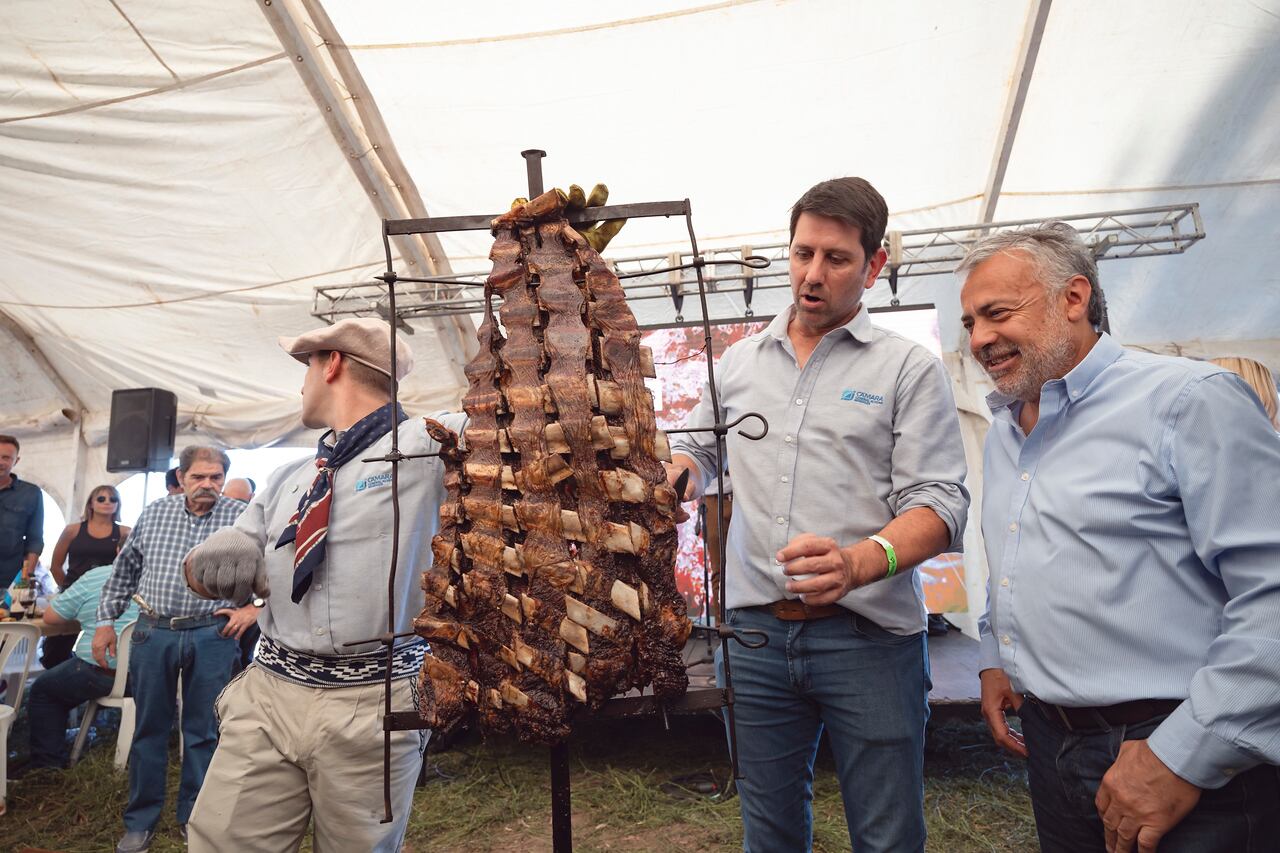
178,634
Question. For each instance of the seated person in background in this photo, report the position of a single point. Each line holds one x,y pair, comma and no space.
171,484
74,681
1259,379
93,541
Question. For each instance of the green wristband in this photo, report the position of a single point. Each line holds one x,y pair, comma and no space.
888,552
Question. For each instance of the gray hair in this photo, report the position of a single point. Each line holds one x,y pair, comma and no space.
206,452
1058,253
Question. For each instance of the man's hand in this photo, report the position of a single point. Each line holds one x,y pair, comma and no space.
104,645
824,571
690,490
1141,799
238,619
227,565
597,234
998,697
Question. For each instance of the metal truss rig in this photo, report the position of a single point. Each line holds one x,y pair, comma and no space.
1134,233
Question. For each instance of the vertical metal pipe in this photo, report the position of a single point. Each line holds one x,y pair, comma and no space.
533,164
730,722
395,534
561,799
561,807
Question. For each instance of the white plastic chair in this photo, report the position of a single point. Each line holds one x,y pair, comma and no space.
20,638
114,699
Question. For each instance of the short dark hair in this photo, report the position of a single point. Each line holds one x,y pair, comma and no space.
253,487
206,452
854,202
8,439
361,373
171,478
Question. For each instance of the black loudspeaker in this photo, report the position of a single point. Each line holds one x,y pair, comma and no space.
143,423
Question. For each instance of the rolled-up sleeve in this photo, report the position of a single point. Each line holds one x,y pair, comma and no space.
928,452
700,446
1226,461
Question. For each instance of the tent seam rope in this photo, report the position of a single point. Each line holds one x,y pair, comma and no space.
180,84
210,294
560,31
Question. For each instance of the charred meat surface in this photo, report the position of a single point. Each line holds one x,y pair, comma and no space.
551,586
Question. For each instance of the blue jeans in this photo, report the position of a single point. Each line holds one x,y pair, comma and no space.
870,689
201,658
52,697
1065,769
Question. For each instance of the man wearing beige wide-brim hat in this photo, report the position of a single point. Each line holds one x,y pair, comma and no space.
301,729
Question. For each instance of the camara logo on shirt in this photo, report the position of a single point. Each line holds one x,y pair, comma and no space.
864,397
374,482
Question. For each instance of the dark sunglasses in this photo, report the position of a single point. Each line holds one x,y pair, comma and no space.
104,499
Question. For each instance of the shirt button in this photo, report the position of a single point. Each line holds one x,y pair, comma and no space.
787,439
799,401
1013,527
781,520
319,586
1025,476
786,479
1005,639
319,632
1004,581
1228,772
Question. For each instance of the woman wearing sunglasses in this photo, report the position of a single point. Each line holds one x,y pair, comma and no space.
95,541
83,545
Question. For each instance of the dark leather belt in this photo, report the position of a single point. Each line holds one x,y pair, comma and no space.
181,623
1097,719
794,610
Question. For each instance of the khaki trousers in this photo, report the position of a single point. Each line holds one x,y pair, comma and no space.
288,754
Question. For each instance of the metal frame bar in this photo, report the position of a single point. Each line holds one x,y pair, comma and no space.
1131,233
720,697
1033,34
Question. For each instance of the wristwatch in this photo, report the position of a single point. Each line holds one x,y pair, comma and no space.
258,601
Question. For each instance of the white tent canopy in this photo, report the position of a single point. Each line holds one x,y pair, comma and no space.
178,178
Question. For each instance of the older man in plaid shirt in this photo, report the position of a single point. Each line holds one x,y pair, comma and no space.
177,633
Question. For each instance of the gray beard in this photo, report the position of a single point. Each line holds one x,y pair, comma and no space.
1047,359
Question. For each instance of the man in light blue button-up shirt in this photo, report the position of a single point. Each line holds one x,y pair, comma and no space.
863,441
1129,513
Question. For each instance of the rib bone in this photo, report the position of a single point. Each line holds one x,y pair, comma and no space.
626,599
588,617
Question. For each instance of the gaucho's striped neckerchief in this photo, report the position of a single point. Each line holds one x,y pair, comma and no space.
310,524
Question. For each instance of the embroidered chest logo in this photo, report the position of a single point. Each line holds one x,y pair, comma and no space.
374,482
864,397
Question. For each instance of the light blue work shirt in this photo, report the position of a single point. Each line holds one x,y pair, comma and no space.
1133,540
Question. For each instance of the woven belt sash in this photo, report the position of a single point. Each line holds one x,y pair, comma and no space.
339,670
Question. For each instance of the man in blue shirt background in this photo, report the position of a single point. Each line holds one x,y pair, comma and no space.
1129,514
21,518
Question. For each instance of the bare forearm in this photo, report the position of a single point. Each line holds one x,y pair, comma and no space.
916,535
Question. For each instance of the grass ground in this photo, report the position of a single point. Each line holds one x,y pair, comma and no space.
489,796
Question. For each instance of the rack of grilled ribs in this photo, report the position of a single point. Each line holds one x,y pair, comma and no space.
552,583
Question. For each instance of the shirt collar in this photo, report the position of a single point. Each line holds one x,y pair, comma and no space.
859,328
1099,358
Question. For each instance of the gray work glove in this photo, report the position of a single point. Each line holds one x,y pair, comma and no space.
230,565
